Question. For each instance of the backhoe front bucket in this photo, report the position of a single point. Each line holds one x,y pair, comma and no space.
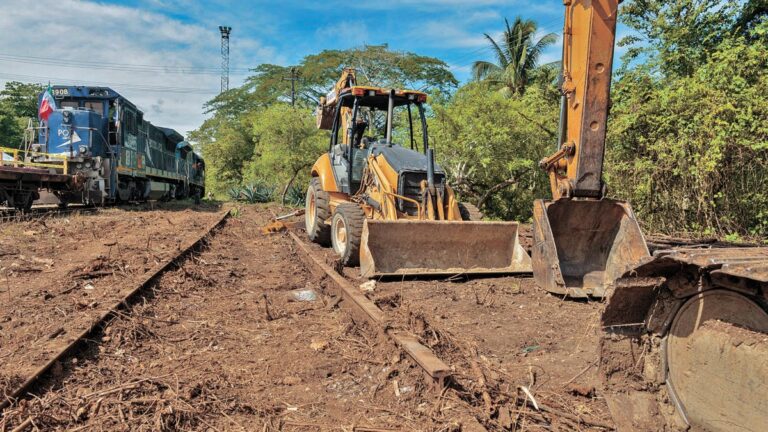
580,247
410,247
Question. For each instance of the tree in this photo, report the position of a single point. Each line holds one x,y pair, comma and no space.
227,146
675,37
18,103
490,148
287,143
377,65
517,55
688,140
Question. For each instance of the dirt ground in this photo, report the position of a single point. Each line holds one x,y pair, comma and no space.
232,340
57,275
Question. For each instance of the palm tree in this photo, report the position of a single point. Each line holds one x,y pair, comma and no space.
517,54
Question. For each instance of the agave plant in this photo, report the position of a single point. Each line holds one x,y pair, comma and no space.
235,193
257,193
295,196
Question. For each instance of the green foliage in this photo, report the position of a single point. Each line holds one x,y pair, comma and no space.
490,145
18,103
295,196
257,193
287,143
679,34
235,193
517,56
688,142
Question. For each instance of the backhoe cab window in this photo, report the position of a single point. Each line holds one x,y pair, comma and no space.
371,126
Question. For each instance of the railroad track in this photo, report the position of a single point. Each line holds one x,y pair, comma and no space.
12,215
148,280
363,308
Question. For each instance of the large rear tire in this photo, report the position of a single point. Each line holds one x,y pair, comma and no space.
316,211
346,232
469,212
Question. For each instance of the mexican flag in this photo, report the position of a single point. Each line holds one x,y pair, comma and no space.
47,104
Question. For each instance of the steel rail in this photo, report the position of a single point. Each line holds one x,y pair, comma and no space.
124,303
363,307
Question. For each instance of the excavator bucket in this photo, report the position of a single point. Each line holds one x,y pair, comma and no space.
409,247
582,246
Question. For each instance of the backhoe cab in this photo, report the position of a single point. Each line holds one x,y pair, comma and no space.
388,206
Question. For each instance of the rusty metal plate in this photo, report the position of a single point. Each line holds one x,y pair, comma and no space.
718,362
749,262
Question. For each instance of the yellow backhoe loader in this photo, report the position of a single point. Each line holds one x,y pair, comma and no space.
388,206
685,342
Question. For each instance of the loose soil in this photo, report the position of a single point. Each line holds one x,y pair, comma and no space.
227,341
58,275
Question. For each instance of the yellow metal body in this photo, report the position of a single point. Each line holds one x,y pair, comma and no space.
583,241
589,34
322,169
55,161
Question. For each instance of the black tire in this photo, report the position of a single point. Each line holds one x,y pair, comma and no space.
470,212
317,209
346,231
22,201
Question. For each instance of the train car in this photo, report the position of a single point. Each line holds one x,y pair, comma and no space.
110,153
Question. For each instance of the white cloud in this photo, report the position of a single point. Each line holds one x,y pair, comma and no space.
352,33
69,31
447,33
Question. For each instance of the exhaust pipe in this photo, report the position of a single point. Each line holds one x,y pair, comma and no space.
431,171
390,116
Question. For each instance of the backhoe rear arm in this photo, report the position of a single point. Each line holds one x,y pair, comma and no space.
576,169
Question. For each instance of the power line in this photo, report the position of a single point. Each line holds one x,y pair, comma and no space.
90,64
138,87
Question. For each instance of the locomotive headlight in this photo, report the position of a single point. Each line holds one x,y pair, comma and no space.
83,149
88,165
79,166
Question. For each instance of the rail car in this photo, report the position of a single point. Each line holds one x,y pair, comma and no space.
96,148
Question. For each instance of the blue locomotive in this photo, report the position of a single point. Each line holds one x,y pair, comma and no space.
111,153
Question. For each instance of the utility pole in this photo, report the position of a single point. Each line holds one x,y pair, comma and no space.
293,78
225,31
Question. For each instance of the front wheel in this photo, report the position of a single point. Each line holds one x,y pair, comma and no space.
346,231
469,212
317,210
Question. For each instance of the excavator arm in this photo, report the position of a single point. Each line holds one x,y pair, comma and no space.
583,241
576,169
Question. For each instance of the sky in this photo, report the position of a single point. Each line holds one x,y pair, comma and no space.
164,55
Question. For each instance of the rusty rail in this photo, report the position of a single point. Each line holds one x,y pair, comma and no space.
13,215
110,313
363,307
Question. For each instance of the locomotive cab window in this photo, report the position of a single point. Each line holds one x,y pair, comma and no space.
97,107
